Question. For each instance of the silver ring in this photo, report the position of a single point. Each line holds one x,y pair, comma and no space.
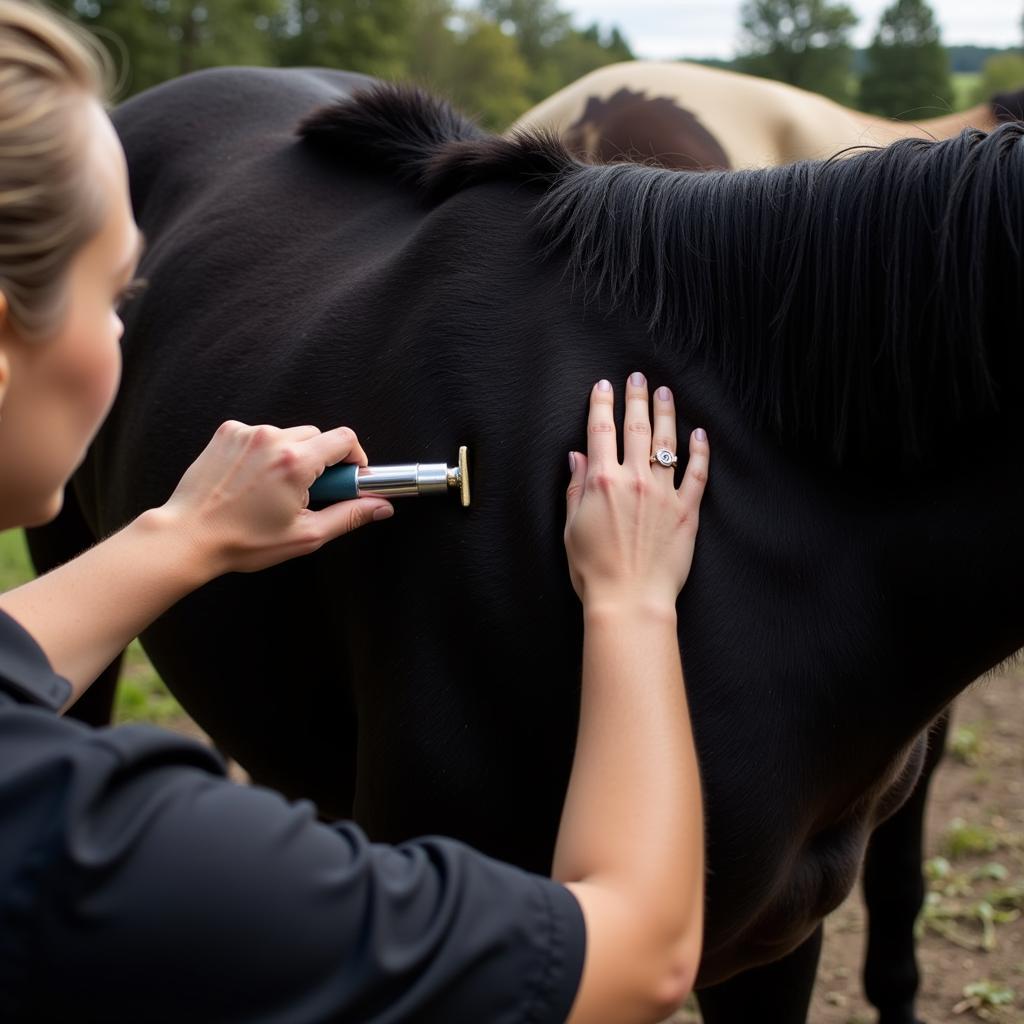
663,457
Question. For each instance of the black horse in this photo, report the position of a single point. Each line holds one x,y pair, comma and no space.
848,332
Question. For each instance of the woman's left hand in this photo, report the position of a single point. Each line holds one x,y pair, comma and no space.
244,501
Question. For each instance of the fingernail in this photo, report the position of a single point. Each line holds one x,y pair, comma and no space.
384,512
637,379
663,393
572,462
700,435
604,385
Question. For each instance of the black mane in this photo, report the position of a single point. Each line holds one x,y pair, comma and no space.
421,139
858,304
1008,106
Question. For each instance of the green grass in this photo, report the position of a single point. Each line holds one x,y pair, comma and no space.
984,996
141,695
967,743
14,563
964,85
968,907
965,839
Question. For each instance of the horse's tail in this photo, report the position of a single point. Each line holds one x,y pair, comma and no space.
54,544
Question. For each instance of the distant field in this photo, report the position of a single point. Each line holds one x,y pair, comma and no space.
964,85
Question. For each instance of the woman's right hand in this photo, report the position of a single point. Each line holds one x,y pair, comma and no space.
245,499
629,533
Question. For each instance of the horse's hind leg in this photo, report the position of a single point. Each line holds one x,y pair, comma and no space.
52,545
777,993
894,892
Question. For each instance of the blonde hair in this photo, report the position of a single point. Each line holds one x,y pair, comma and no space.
48,206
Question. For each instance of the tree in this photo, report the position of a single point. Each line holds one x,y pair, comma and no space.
535,24
487,76
493,62
350,35
554,51
1002,73
803,42
153,40
576,54
908,67
471,61
431,39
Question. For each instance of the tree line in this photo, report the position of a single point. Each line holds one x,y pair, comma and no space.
499,57
906,68
495,59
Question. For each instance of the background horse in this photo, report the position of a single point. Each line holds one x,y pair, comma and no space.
847,332
682,115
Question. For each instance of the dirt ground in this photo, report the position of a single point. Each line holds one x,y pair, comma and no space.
971,945
972,930
975,846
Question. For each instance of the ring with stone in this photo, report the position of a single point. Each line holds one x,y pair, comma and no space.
663,457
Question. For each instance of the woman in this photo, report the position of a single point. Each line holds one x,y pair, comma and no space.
136,882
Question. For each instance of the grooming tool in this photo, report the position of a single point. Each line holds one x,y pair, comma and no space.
345,481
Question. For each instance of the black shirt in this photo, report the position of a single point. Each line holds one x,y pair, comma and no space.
139,884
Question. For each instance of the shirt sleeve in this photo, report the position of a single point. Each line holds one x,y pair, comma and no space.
174,894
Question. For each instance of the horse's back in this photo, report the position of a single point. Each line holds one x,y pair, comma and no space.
757,122
182,134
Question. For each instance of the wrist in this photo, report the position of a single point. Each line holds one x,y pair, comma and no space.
190,561
612,609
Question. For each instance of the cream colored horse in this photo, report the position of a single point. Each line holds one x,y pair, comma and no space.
688,115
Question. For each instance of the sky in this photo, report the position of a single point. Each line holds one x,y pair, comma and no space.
710,28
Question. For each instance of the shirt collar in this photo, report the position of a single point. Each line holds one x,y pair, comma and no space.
25,671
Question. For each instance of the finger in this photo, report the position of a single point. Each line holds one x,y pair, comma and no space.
577,479
337,445
303,433
307,466
601,450
691,490
346,516
232,435
636,442
664,435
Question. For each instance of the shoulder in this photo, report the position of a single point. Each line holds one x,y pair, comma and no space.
26,675
312,919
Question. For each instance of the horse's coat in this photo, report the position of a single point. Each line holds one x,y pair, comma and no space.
387,273
687,115
629,124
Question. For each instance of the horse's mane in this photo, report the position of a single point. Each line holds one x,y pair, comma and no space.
859,304
1008,106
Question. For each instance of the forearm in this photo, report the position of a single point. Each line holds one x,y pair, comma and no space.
633,818
84,613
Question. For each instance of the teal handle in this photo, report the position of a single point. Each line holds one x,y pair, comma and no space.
336,483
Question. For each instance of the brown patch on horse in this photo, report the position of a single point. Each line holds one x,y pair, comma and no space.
629,126
1008,106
